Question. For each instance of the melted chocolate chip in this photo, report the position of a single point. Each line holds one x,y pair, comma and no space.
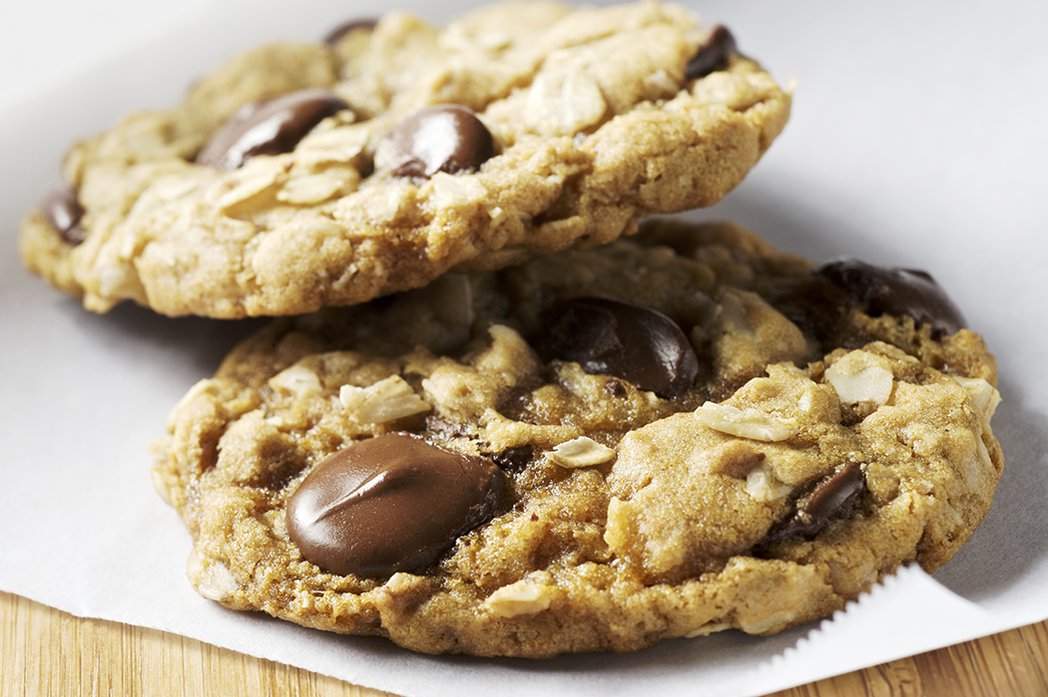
830,499
268,128
819,308
881,291
63,212
714,54
516,458
446,138
435,424
637,344
391,503
341,30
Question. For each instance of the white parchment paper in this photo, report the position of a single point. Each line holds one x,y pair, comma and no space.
917,140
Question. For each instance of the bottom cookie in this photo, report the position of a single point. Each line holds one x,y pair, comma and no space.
673,435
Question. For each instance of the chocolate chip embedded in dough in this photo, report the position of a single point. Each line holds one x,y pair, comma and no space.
445,138
515,458
831,498
714,54
817,306
637,344
63,212
268,128
882,291
339,31
391,503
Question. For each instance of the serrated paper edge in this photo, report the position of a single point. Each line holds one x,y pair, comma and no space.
881,625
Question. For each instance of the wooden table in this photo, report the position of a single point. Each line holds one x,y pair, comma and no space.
47,652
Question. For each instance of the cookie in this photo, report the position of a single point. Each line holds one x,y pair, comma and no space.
675,434
300,176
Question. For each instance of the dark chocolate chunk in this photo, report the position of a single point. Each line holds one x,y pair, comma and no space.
391,503
439,426
341,30
639,345
268,128
445,138
882,291
513,459
830,499
63,212
817,306
712,55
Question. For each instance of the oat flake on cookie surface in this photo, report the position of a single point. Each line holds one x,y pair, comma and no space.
675,434
299,176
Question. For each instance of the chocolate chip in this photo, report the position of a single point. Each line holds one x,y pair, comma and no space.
821,309
713,55
830,499
341,30
391,503
268,128
437,425
606,337
882,291
446,138
513,459
63,212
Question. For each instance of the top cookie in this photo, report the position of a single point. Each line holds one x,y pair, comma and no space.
299,176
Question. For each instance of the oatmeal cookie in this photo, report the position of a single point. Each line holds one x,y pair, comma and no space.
675,434
300,176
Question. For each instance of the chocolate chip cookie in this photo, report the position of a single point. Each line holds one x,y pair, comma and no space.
300,176
675,434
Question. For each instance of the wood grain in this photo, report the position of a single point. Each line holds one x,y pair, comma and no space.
47,652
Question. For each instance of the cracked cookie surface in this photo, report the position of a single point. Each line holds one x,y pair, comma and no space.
678,433
593,117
